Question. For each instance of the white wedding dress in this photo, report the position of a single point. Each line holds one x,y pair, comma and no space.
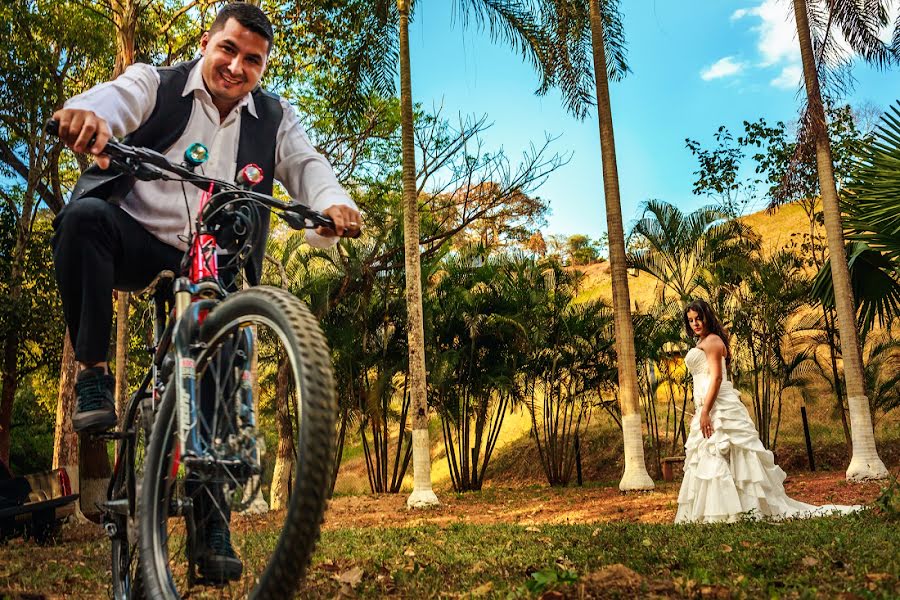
731,475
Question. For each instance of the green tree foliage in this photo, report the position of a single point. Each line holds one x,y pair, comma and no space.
873,220
681,251
775,287
571,365
582,250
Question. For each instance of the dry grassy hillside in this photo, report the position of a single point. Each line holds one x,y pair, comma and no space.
775,229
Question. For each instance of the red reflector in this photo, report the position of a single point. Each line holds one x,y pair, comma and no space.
176,459
65,485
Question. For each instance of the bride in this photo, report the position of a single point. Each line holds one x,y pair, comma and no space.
728,474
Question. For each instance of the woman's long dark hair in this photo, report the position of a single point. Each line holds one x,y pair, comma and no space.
710,323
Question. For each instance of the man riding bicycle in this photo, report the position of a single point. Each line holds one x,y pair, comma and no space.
116,233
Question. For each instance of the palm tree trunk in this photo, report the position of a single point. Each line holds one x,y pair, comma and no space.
422,495
865,462
810,208
635,476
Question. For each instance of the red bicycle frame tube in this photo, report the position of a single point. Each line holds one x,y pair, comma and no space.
203,252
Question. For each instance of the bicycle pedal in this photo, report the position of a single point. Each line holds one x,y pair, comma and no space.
208,582
112,435
119,507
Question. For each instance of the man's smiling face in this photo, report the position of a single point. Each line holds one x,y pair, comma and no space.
235,58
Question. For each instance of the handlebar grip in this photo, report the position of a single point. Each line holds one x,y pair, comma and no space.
328,222
52,127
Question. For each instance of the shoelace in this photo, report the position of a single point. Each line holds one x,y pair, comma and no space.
92,392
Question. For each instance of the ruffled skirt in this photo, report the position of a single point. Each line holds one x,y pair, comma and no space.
731,476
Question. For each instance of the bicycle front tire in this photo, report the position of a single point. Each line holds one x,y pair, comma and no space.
289,322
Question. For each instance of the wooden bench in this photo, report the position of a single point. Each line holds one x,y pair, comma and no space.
667,463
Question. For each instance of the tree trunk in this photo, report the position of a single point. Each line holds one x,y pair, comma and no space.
122,310
93,475
865,463
635,476
422,496
125,16
65,440
809,206
284,459
8,393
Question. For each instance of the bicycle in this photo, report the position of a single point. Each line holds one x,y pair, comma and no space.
190,447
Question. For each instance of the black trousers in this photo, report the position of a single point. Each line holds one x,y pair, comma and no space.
98,247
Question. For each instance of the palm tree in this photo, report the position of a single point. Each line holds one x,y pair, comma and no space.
476,341
635,476
774,289
371,65
859,23
573,67
686,253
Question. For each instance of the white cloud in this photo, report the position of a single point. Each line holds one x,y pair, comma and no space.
773,23
886,32
777,31
724,67
789,79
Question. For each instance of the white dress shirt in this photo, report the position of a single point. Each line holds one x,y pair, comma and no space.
160,206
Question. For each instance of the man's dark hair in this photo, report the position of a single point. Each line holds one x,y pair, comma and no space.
247,15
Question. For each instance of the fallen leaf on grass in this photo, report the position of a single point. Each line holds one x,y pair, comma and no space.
715,591
409,552
809,561
352,577
483,590
725,548
532,529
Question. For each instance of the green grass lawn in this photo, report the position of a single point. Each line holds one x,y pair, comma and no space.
820,558
817,558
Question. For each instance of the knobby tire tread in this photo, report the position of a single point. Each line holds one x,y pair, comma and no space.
291,557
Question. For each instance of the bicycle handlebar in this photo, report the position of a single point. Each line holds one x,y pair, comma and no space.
148,165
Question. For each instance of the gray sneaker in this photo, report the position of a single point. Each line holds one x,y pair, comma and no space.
96,411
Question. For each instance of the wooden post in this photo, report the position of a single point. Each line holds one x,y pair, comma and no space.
578,459
809,452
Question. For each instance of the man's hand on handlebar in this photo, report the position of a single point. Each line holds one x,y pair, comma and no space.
78,128
347,221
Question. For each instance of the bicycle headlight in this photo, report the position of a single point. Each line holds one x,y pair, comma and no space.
250,175
196,154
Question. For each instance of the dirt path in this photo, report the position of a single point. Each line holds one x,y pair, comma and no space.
534,505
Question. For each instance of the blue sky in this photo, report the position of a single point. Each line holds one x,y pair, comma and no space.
695,64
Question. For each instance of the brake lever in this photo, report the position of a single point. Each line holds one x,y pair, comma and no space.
293,220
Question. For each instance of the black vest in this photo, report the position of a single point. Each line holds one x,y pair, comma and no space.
167,123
